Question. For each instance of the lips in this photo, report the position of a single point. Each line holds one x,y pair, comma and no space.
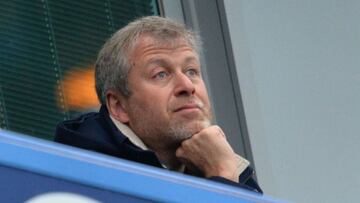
187,107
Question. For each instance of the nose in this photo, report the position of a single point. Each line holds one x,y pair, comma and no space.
184,86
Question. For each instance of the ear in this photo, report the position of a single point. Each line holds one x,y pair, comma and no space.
116,104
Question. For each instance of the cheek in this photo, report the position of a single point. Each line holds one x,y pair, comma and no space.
153,101
152,97
203,95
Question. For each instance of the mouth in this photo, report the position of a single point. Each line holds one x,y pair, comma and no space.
188,107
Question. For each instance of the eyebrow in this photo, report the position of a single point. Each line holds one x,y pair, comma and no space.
158,61
191,59
165,62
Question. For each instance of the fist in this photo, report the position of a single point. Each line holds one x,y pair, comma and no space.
209,151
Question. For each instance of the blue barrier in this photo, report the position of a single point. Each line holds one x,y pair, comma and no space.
30,167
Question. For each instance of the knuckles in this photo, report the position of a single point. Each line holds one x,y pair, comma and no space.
213,130
186,143
199,140
179,152
195,137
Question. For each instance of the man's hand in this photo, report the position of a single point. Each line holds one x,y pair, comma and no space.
210,153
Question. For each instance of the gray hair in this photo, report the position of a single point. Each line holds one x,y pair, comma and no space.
112,65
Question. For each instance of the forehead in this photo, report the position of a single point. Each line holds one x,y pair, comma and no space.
147,43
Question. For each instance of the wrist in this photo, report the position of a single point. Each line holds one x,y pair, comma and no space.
230,170
242,164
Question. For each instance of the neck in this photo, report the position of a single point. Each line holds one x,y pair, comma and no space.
165,152
168,158
171,162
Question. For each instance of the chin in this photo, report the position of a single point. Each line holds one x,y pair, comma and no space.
186,130
198,125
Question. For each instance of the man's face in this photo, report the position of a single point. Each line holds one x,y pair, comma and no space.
169,101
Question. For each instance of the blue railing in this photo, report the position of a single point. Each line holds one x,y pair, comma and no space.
30,167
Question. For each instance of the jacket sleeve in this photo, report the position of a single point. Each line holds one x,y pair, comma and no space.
246,181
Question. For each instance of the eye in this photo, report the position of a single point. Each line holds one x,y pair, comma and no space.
192,72
161,75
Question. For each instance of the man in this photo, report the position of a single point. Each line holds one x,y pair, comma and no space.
155,107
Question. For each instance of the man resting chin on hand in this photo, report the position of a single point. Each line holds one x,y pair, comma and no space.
155,107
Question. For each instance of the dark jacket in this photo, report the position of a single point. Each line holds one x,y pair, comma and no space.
97,132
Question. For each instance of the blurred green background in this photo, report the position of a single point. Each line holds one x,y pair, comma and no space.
46,42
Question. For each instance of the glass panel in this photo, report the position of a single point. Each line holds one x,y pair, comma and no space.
47,51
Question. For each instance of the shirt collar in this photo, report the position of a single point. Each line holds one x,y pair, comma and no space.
129,134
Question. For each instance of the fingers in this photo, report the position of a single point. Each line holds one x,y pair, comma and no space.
208,150
179,152
201,141
213,130
220,131
186,147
